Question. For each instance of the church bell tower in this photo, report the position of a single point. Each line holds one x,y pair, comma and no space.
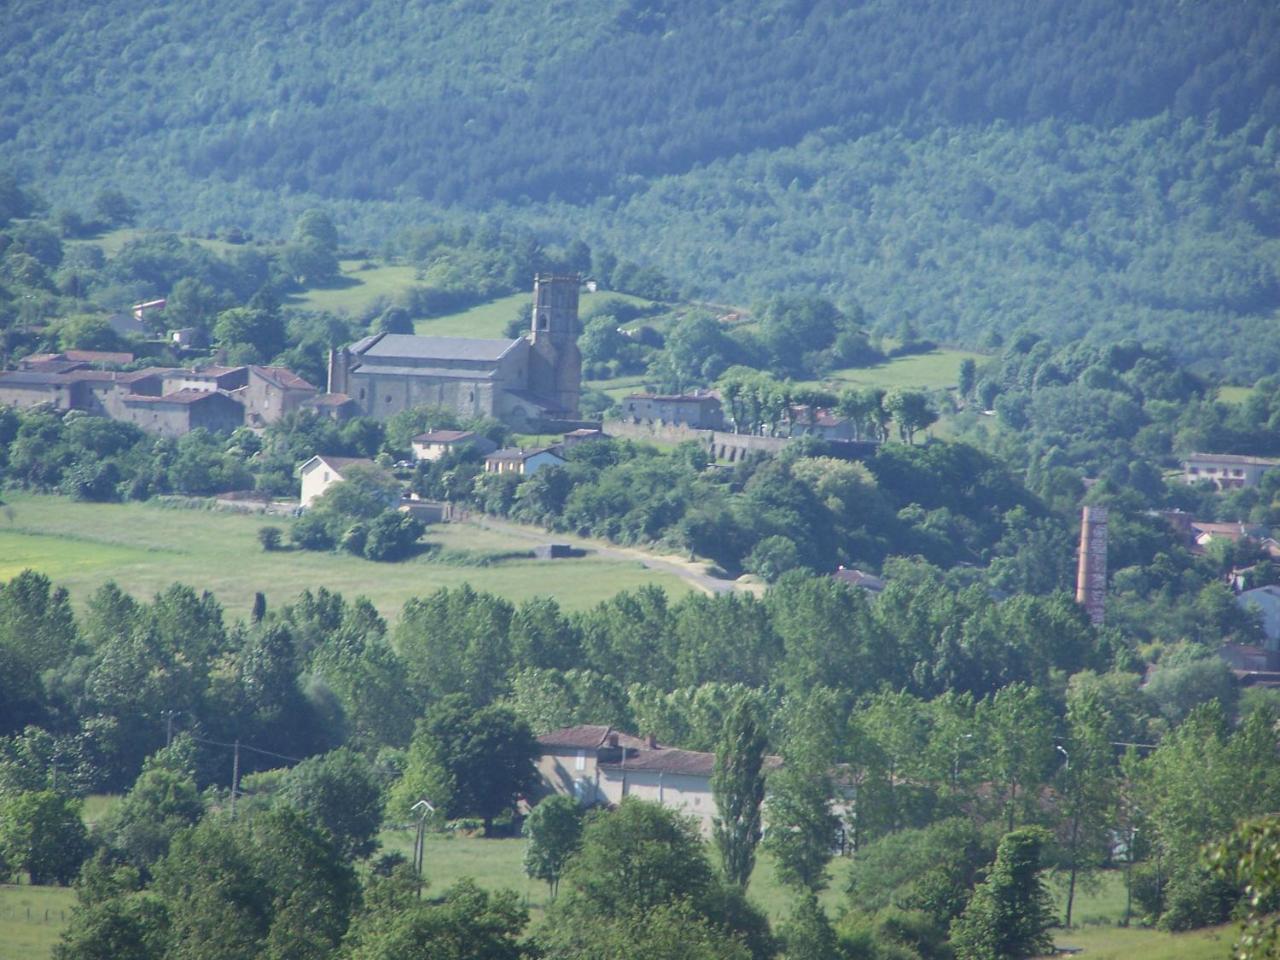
556,364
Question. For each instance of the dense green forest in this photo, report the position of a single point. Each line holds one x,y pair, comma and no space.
1082,169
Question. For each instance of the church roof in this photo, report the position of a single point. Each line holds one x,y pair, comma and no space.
435,373
410,346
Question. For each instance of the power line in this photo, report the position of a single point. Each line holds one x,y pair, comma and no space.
245,746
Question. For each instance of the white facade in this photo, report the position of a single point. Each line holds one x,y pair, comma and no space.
320,473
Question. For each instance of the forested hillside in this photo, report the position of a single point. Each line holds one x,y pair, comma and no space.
1097,167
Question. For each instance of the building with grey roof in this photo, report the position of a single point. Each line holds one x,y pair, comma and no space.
518,380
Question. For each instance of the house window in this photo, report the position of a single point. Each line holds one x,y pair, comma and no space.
580,762
326,476
388,398
362,393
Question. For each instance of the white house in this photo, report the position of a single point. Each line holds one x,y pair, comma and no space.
1227,470
434,444
320,473
524,462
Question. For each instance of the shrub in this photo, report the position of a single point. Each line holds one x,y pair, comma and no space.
270,538
392,536
309,532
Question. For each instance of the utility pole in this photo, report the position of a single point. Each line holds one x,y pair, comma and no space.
235,778
424,809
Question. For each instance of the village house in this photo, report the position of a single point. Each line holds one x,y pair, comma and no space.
581,435
335,406
700,411
523,462
271,393
435,444
1228,471
177,414
322,472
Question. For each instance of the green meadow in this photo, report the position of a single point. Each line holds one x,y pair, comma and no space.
146,547
936,370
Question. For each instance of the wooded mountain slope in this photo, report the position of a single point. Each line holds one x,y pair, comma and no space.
852,149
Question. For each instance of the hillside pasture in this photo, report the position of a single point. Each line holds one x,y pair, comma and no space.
936,370
145,548
357,290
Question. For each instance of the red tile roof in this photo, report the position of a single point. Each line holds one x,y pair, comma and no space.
443,436
588,737
282,377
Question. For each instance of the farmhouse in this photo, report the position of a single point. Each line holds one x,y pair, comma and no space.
1228,471
568,759
537,376
598,764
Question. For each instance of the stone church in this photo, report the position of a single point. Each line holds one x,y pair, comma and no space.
537,376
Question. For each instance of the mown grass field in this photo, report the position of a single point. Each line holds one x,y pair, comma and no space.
145,548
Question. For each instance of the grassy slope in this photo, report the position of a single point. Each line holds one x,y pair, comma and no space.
145,548
935,370
357,289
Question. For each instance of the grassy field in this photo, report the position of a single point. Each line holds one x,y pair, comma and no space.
935,370
31,920
498,864
1234,394
145,548
356,289
618,387
1098,912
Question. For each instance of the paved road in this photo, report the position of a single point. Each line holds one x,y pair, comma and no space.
700,581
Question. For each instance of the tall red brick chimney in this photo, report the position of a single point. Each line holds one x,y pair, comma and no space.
1091,575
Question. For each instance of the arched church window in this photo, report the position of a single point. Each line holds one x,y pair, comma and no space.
544,322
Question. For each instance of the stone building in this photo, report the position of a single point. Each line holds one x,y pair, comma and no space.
537,376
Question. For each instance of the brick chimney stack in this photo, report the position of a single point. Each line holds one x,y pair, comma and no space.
1091,575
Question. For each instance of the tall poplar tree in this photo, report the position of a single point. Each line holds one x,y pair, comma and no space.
737,784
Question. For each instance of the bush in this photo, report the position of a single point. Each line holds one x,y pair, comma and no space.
354,539
392,536
772,557
270,538
309,532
